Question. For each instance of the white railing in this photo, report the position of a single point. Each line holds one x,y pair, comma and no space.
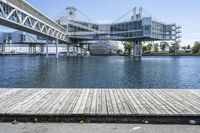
20,15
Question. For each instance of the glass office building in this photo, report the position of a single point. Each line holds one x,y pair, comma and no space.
145,29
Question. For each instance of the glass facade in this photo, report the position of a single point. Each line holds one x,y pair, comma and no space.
145,28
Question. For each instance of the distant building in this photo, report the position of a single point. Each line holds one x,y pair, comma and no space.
19,42
18,37
104,48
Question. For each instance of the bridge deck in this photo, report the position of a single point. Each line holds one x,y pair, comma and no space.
100,102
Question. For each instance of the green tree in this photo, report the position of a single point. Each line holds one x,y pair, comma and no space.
184,48
196,47
144,49
163,46
156,47
128,47
149,47
119,51
188,47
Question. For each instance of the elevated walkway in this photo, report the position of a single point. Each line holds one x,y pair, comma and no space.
19,14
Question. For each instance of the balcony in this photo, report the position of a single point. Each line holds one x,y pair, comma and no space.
178,27
178,31
178,36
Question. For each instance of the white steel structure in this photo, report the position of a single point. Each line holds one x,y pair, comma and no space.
21,15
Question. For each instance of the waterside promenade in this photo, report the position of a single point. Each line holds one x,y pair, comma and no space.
100,105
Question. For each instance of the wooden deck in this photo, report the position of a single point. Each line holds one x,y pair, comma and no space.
100,102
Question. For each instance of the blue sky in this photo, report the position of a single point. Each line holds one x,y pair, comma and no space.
183,12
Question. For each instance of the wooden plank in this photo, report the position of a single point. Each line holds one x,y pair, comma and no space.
100,102
149,101
67,102
78,105
109,102
114,103
48,103
169,105
83,102
16,100
43,100
59,104
192,99
89,102
23,105
74,102
119,104
141,107
8,97
9,93
161,105
53,103
93,109
34,101
104,103
182,103
144,102
129,101
174,102
123,102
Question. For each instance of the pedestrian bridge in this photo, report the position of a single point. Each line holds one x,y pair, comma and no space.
19,14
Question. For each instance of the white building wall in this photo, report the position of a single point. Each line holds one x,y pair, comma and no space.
39,49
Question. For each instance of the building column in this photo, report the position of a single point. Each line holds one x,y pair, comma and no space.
81,46
34,49
3,48
77,51
42,49
56,48
137,51
47,49
85,50
74,52
68,54
30,49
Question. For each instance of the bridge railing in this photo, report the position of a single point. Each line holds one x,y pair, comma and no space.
22,4
20,15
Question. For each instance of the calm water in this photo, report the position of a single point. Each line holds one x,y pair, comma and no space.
98,72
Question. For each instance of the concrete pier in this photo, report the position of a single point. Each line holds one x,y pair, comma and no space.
81,47
47,49
100,105
68,47
74,50
137,49
57,48
77,51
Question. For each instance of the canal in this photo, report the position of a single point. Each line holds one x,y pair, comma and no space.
99,72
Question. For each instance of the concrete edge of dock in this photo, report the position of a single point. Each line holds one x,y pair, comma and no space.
76,118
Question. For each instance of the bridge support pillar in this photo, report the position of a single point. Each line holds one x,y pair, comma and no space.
68,54
137,49
85,50
3,47
47,49
30,49
42,49
34,49
81,49
74,52
77,51
56,48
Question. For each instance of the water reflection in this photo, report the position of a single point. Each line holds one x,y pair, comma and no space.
99,72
